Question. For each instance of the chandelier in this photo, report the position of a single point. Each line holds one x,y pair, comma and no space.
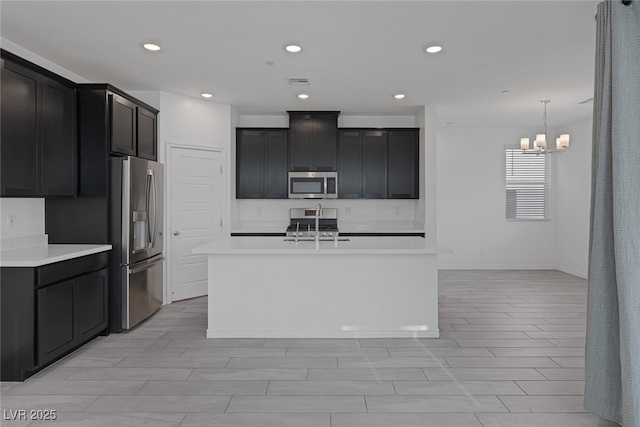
540,143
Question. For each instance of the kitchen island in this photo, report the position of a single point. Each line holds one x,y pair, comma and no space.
365,287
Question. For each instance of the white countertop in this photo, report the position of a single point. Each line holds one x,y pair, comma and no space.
36,256
355,245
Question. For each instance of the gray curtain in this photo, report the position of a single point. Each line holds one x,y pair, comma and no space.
613,315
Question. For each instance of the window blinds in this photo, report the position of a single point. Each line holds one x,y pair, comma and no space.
526,184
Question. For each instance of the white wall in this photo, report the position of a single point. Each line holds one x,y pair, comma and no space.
471,205
573,200
39,60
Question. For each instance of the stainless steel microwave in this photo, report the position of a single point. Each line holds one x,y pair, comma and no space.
313,185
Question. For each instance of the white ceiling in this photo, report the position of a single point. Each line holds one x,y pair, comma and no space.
357,54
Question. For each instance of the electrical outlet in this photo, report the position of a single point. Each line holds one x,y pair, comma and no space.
397,210
11,220
347,211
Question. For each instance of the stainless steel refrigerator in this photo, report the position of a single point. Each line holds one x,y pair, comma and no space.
137,199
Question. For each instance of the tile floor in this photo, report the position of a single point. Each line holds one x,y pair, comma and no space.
511,354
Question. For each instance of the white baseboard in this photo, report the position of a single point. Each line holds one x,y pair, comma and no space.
496,267
580,274
323,334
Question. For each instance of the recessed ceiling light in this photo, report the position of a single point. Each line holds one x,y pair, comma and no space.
151,46
293,48
399,95
303,96
206,95
433,49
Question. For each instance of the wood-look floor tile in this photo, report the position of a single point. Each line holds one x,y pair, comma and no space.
296,404
455,404
460,388
253,420
404,420
64,419
542,420
156,404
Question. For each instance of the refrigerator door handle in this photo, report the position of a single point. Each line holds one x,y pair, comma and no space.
147,190
155,211
145,266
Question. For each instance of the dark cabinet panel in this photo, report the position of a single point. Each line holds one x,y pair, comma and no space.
374,164
261,164
250,165
301,129
123,125
91,304
56,325
59,164
38,145
313,139
275,172
350,165
325,142
362,171
403,164
20,130
147,134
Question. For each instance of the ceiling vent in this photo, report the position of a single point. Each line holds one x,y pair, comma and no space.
586,101
298,81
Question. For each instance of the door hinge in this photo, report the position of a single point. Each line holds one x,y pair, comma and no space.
220,170
220,223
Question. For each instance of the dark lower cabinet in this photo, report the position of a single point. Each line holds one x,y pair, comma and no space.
56,324
261,164
49,311
38,145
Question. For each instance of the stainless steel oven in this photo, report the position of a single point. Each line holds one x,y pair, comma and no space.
313,185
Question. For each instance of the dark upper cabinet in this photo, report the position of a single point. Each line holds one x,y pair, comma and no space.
403,164
275,165
59,147
261,163
38,148
374,164
20,122
123,125
147,134
362,164
111,122
350,165
313,141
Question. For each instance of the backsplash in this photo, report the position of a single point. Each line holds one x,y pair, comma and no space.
264,210
20,218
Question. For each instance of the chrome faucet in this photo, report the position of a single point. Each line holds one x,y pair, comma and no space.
318,214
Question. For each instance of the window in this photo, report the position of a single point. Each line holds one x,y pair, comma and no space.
526,184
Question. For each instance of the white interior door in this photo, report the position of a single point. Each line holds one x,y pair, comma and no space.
196,216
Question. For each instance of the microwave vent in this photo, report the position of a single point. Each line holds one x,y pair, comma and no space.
298,81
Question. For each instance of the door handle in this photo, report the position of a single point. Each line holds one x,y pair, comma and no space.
176,233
